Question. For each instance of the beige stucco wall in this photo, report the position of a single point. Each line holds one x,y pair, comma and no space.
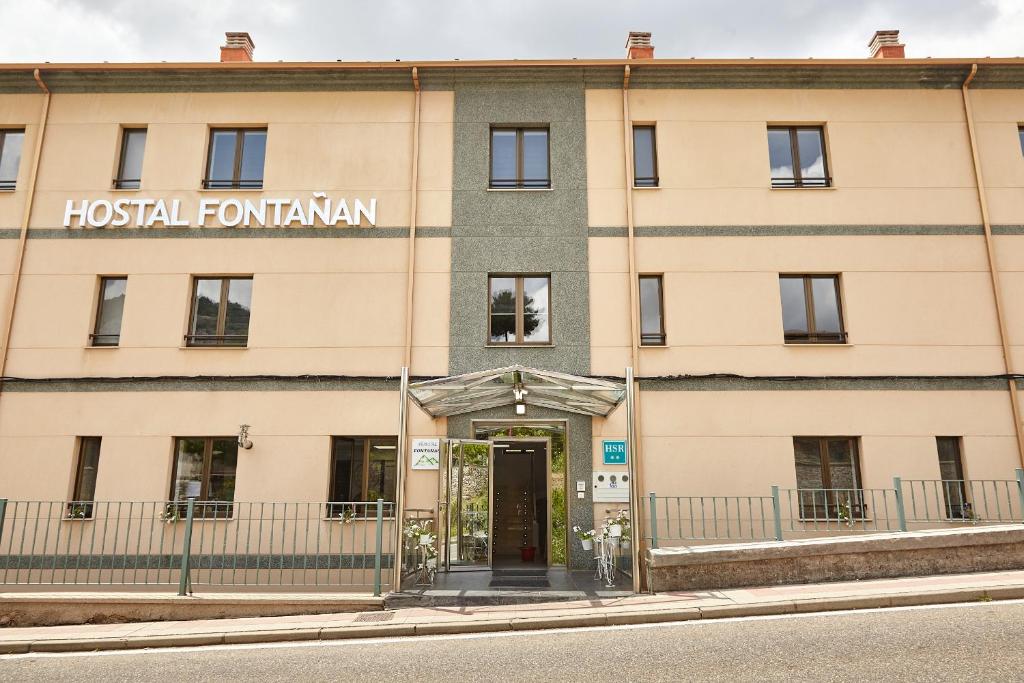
353,145
997,113
319,306
20,111
740,442
896,157
913,305
291,430
323,306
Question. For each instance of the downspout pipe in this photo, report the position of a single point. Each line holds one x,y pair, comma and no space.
413,197
26,216
403,409
993,268
633,438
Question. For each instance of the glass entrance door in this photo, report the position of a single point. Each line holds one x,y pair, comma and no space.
467,490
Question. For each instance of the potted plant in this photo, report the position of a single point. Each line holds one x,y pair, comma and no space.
614,525
171,513
347,515
586,537
419,531
78,511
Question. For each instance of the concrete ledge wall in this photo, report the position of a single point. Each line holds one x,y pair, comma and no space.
874,556
55,609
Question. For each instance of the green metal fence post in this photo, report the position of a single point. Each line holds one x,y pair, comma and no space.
380,542
3,511
777,513
1020,492
901,513
654,519
185,579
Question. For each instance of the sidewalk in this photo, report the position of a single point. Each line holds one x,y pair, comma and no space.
634,609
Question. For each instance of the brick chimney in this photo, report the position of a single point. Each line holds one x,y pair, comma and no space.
638,45
886,45
237,48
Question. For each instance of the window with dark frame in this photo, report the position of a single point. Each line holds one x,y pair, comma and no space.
11,143
797,156
520,158
951,472
811,309
828,478
83,494
645,157
652,311
363,469
1020,134
129,167
109,311
221,308
519,309
236,158
204,469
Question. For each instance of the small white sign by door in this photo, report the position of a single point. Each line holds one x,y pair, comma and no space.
426,454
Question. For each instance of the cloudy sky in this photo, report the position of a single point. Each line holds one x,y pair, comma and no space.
302,30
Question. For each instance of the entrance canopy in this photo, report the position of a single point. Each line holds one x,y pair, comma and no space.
519,386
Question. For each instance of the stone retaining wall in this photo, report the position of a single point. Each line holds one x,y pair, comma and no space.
872,556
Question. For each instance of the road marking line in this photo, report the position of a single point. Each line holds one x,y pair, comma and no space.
692,623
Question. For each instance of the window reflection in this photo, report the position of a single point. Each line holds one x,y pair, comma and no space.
220,312
520,158
11,143
811,309
236,159
797,156
519,309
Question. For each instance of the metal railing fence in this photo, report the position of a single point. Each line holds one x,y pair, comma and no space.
911,504
213,544
974,501
681,518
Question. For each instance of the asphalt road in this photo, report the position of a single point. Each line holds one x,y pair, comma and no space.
983,641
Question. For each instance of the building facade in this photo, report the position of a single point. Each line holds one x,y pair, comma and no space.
812,268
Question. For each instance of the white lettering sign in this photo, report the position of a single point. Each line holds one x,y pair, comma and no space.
320,211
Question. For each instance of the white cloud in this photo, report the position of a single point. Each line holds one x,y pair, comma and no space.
192,30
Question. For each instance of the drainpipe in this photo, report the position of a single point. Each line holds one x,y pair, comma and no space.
403,407
413,195
993,268
636,471
25,217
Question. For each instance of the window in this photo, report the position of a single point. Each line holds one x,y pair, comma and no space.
129,168
11,142
220,311
652,311
811,311
363,468
519,306
84,492
519,158
1020,134
828,478
204,469
236,159
951,471
645,157
109,309
797,156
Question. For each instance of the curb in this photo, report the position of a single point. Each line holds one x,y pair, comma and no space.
804,606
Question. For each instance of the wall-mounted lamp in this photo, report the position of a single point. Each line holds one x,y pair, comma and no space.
519,392
243,437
